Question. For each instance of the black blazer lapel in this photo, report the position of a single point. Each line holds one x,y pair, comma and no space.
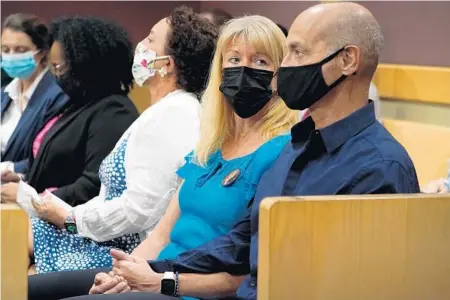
60,125
63,122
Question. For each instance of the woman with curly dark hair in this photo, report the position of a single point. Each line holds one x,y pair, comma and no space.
176,55
173,62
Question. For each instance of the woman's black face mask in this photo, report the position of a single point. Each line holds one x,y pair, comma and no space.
69,87
247,90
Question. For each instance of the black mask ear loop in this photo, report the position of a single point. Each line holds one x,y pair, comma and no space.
329,58
275,91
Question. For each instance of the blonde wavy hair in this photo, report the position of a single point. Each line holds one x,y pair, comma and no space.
217,121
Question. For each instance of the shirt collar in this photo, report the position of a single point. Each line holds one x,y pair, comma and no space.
336,134
13,88
173,96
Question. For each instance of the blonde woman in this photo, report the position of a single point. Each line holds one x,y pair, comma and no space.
244,127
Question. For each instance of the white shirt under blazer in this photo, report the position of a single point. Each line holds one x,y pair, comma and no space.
158,141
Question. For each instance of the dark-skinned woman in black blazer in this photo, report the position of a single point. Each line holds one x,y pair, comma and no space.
92,60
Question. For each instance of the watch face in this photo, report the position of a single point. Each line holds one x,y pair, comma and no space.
168,287
71,227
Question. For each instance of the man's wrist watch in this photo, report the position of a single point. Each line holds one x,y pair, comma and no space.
169,284
70,225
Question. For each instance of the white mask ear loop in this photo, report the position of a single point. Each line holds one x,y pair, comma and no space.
42,58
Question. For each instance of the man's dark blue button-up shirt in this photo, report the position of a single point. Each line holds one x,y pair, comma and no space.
355,155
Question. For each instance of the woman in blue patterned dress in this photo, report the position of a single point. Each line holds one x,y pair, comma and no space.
138,178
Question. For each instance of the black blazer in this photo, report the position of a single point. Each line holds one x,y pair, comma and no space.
73,149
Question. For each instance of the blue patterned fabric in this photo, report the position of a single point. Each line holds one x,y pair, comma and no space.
57,250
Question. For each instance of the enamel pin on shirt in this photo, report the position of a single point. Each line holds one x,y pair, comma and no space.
231,178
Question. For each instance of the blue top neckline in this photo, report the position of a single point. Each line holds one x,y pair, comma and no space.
220,155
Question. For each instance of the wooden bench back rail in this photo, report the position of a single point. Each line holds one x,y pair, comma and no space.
14,248
392,247
428,145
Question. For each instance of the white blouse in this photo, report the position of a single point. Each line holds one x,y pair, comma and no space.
158,141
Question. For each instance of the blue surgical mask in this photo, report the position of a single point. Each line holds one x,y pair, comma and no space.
19,65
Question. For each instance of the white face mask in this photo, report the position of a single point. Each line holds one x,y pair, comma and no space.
144,64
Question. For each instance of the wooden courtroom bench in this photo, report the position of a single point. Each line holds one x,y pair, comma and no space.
14,252
365,247
428,145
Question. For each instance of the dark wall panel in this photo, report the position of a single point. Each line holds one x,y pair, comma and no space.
415,32
138,17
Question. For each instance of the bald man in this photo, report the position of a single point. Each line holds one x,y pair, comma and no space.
339,149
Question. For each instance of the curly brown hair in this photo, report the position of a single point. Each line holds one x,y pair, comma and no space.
191,44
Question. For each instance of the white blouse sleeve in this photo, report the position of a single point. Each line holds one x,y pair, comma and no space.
155,150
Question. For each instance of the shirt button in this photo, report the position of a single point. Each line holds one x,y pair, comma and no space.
253,283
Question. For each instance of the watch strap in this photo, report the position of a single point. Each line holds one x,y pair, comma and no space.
70,223
177,286
71,217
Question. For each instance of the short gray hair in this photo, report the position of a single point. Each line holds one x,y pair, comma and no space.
356,27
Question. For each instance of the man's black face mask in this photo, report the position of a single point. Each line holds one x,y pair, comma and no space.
302,86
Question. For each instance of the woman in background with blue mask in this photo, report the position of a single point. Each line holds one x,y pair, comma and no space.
32,98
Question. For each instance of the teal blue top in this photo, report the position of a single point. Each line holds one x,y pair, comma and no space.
209,209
